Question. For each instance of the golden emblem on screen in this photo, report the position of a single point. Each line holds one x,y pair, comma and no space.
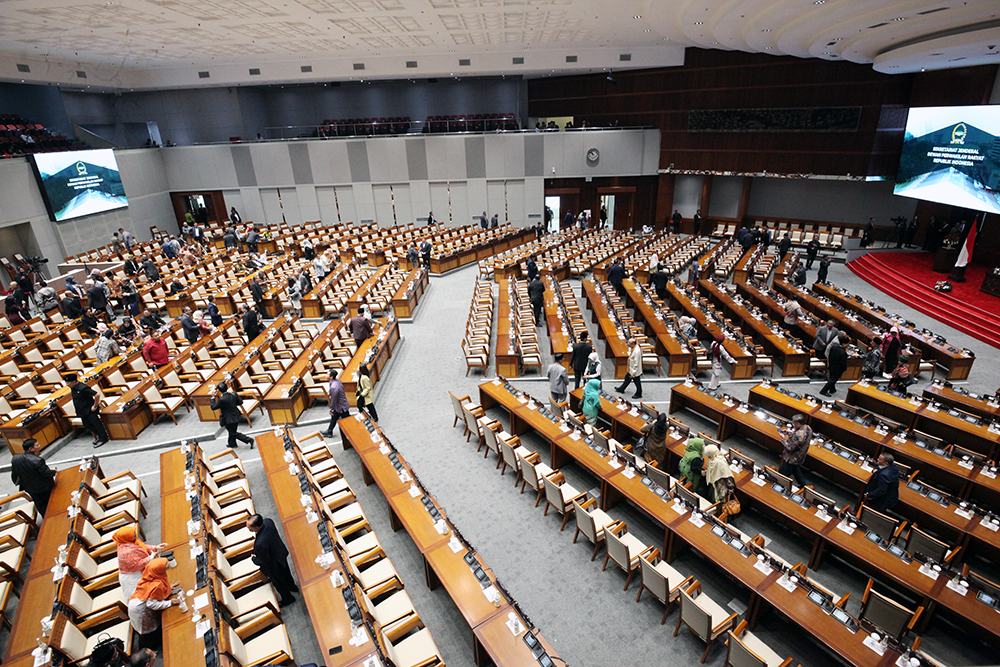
958,134
81,168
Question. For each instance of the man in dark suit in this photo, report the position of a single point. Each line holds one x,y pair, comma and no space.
228,404
271,555
191,330
252,325
616,274
676,219
883,486
532,268
578,360
150,321
86,403
257,291
536,293
32,475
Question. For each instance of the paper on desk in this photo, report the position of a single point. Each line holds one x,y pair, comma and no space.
965,514
564,428
495,381
42,656
404,477
697,520
680,508
965,464
614,463
197,551
200,601
522,400
200,628
878,648
742,409
628,474
414,491
514,626
384,449
989,525
845,527
358,636
575,435
455,544
961,590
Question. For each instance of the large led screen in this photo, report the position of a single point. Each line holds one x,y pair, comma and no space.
79,183
951,155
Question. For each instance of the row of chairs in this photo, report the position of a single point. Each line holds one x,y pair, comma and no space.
401,633
479,328
630,329
523,330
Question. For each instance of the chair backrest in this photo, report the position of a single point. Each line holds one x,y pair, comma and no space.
740,656
470,420
236,647
222,565
228,599
78,599
491,440
552,493
617,549
508,453
585,522
81,561
920,542
886,614
653,580
696,618
528,471
878,523
67,638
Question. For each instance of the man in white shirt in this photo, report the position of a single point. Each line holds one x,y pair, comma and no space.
634,374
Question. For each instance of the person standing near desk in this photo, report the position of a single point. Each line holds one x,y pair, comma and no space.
658,279
86,403
718,352
151,597
362,326
882,492
558,379
536,294
271,555
616,274
795,449
425,253
634,372
228,404
339,407
836,364
32,475
366,393
252,325
578,359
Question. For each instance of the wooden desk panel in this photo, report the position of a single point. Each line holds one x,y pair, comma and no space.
615,348
332,624
451,571
171,471
305,538
679,355
494,643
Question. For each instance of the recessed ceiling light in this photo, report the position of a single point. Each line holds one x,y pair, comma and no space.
766,30
698,22
820,2
647,30
767,48
899,18
715,43
637,17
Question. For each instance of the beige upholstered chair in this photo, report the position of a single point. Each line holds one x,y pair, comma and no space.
624,549
269,648
416,650
591,523
746,650
67,638
533,471
92,611
662,580
703,616
560,494
251,605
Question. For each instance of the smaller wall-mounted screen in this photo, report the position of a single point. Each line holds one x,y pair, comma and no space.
951,155
79,183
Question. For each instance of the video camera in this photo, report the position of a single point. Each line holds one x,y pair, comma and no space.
35,262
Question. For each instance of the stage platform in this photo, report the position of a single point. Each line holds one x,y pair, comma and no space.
909,277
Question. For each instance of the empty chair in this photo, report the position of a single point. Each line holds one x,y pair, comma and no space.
889,616
746,650
886,527
662,580
591,523
161,404
624,549
533,471
509,445
67,639
416,650
560,494
240,575
271,647
703,616
392,610
917,541
251,605
458,403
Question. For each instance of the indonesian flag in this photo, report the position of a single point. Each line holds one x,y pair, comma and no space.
970,244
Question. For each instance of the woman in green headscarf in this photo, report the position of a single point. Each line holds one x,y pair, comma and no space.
691,465
591,401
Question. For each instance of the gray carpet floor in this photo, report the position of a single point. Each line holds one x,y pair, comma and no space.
581,610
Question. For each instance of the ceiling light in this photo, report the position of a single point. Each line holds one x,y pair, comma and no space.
637,17
899,18
820,2
767,48
647,30
699,22
766,30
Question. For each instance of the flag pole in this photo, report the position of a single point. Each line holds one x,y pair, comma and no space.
957,274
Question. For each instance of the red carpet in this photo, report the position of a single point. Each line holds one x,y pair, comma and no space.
909,278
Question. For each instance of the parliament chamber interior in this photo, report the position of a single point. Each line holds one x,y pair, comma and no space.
708,296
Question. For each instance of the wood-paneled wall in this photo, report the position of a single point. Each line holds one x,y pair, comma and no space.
712,79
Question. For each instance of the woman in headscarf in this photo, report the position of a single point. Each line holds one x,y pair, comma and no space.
690,466
890,350
717,474
901,378
656,441
133,556
593,371
591,406
151,596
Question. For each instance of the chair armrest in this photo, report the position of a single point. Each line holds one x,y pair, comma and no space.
104,616
262,622
588,503
404,627
556,477
843,601
173,391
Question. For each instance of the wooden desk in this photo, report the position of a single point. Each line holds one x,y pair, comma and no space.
919,415
615,347
708,329
406,298
495,645
959,398
332,624
38,592
652,314
508,361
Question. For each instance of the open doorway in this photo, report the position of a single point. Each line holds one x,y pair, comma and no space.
607,213
204,207
553,213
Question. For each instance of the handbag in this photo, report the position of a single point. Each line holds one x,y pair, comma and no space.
640,446
731,507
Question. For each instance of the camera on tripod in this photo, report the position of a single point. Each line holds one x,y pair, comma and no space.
36,262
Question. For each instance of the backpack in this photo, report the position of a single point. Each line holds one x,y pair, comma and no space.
109,652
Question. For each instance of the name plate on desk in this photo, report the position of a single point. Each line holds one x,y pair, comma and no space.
786,583
742,409
628,474
697,520
965,514
845,527
384,449
575,435
757,480
680,508
822,516
988,473
961,590
522,400
414,491
930,407
811,404
825,410
965,464
927,572
989,525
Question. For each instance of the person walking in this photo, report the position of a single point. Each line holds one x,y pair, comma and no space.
824,336
616,274
694,274
532,268
824,269
558,380
191,330
228,404
718,352
882,490
86,403
536,293
578,358
836,364
361,326
593,371
812,249
366,393
32,475
783,246
252,325
659,279
340,408
271,555
258,291
634,372
590,407
795,448
873,360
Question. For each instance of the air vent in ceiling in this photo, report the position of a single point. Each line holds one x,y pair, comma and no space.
878,25
203,75
955,60
23,68
306,68
412,64
625,57
932,11
254,71
464,62
571,59
359,65
80,74
518,61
